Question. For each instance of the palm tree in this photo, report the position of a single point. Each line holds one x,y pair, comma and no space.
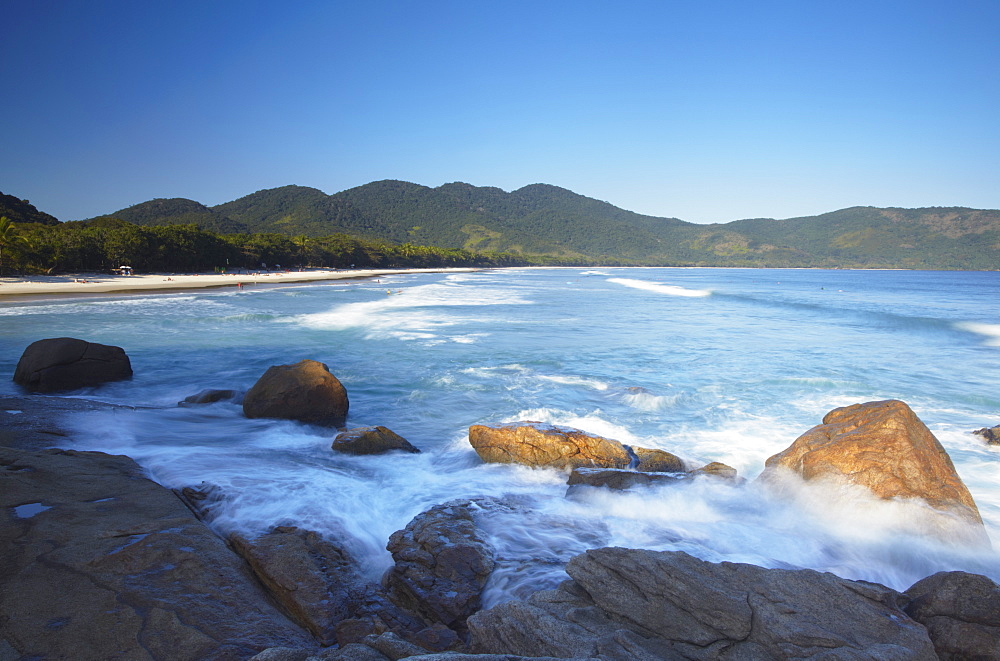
9,237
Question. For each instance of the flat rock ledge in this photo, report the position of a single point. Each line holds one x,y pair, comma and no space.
100,562
628,604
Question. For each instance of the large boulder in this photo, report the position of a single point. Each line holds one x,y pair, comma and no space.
370,440
442,561
542,445
305,391
885,447
961,612
628,604
100,562
66,363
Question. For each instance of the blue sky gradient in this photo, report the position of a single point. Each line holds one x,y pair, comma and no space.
707,111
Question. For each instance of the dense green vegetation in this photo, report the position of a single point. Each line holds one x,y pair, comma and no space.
107,243
384,222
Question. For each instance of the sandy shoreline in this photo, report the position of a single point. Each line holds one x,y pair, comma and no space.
60,285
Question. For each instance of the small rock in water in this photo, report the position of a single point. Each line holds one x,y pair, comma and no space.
542,445
616,478
990,434
211,396
370,440
657,461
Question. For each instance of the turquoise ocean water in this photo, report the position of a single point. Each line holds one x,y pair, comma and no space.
725,365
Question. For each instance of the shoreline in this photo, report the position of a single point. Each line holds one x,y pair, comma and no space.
49,286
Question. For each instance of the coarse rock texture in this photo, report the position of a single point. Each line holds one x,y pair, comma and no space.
618,478
100,562
370,440
990,434
657,461
962,614
305,391
442,563
885,447
628,604
212,396
66,363
541,445
311,578
203,500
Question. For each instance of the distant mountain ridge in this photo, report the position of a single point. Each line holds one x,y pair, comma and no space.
542,219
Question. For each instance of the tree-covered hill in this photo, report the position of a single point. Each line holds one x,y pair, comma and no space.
178,211
23,211
545,220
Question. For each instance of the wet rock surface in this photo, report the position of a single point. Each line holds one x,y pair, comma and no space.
543,445
101,562
961,612
989,434
305,391
442,562
632,604
211,396
657,461
66,363
619,479
370,440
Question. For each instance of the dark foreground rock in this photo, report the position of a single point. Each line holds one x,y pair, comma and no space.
962,614
542,445
884,447
305,391
370,440
99,562
310,577
627,604
442,563
66,363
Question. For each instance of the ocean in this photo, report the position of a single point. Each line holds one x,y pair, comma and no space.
727,365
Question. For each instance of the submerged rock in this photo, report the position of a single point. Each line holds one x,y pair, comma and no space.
719,470
961,612
305,391
627,604
370,440
884,447
541,445
100,562
617,478
989,434
442,563
211,396
66,363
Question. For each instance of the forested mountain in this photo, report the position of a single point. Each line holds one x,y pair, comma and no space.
547,220
22,211
178,211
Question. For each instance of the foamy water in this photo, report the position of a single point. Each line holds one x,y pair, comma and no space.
710,364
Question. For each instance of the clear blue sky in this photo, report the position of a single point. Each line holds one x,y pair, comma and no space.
706,110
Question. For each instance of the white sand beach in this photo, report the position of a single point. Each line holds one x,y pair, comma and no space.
89,283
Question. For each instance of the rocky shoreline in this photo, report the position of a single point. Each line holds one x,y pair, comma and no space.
101,562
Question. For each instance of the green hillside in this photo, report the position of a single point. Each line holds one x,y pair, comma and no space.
544,220
178,211
22,211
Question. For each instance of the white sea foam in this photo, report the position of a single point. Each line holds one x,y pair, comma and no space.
990,331
413,313
576,381
671,290
643,400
